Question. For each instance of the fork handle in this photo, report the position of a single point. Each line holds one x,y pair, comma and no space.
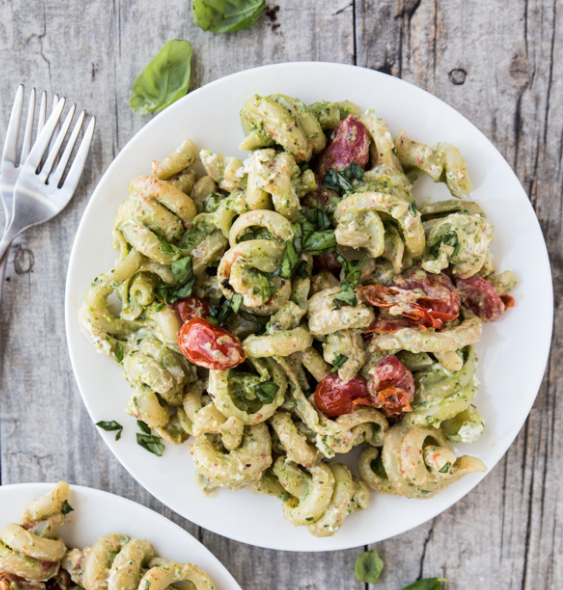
3,263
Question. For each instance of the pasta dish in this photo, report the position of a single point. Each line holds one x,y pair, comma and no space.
34,557
290,307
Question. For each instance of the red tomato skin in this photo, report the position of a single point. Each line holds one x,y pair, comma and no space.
210,346
482,298
335,397
391,386
191,307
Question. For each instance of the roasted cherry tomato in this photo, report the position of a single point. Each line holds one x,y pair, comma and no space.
428,299
191,307
391,386
328,262
210,346
335,397
482,298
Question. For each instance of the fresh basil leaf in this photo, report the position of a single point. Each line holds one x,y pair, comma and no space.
266,391
150,443
164,80
118,352
222,16
446,467
354,171
339,361
182,269
346,296
195,234
318,218
236,302
165,247
66,508
266,288
290,260
394,150
412,209
143,426
449,239
352,270
319,242
301,270
336,181
110,427
159,306
368,567
428,584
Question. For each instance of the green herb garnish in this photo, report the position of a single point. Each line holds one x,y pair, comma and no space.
164,80
150,443
143,427
66,508
412,209
446,468
222,16
352,274
368,567
185,280
339,361
118,352
111,427
427,584
266,391
341,181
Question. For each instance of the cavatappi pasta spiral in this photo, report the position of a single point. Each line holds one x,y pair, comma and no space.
293,305
32,552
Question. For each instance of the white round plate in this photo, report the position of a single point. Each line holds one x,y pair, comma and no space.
98,513
513,352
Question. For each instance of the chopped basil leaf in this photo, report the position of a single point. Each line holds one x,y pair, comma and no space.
266,391
110,427
354,171
446,468
394,150
66,508
318,218
309,519
346,296
165,247
449,239
339,361
185,278
164,80
412,209
319,242
301,270
290,260
118,352
236,302
266,288
195,234
147,585
159,306
427,584
143,426
182,269
150,443
368,567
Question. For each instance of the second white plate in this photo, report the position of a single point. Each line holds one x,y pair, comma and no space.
98,513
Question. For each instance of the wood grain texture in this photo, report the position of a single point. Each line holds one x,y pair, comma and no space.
500,64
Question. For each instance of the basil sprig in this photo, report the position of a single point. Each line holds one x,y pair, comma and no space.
352,273
118,352
266,391
164,80
368,567
185,280
222,16
341,182
449,239
111,426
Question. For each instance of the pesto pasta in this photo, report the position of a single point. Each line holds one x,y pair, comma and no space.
32,555
298,304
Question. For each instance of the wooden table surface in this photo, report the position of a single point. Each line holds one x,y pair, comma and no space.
500,63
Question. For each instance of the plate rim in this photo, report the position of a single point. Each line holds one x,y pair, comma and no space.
399,82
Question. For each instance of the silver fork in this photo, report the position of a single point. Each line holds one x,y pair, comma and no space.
38,193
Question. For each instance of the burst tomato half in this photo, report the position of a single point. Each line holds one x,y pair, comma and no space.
191,307
335,397
210,346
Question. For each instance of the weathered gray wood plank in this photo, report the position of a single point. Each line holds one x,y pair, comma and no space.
500,65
